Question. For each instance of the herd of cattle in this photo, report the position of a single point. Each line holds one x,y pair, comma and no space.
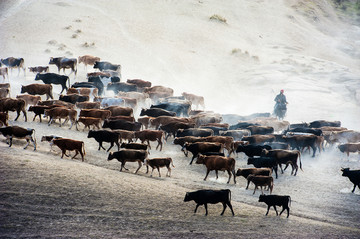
212,141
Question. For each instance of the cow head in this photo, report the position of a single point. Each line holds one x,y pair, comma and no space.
345,171
187,197
239,172
200,159
37,77
23,89
250,160
111,156
262,198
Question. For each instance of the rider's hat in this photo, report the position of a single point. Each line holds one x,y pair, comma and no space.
282,91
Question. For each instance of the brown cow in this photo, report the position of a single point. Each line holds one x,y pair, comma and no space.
94,74
4,92
4,72
139,83
218,163
129,155
19,132
69,144
102,114
5,85
227,141
245,172
195,100
57,103
88,60
150,135
257,139
172,128
349,148
163,120
118,110
38,89
125,134
120,117
4,118
39,69
10,104
129,102
61,113
159,163
145,121
87,105
284,157
29,99
88,121
262,181
83,91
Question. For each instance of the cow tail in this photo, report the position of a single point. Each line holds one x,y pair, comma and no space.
83,148
299,154
229,195
172,163
68,79
289,201
34,138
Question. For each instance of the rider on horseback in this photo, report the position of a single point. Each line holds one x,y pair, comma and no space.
280,105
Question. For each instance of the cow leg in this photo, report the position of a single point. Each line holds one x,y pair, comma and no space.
354,188
10,143
224,207
296,169
63,151
206,211
169,171
151,172
267,212
247,186
275,168
138,167
148,143
282,210
118,145
207,173
229,172
197,205
28,142
192,159
111,145
255,189
100,145
18,114
34,143
216,173
158,171
262,191
76,153
231,208
276,210
314,151
282,171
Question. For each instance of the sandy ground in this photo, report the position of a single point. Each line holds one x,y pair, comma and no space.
238,67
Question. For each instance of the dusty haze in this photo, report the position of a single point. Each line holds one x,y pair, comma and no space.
303,47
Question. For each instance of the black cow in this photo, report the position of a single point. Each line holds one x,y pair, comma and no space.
321,123
252,150
353,175
276,200
96,80
73,98
194,132
105,136
156,112
264,162
122,124
134,146
177,107
13,62
242,125
104,65
64,63
89,85
317,132
277,145
11,132
56,79
121,86
203,197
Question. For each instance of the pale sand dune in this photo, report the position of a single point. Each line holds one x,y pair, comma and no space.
238,66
